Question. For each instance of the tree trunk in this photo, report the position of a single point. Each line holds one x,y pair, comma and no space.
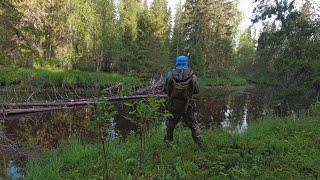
99,62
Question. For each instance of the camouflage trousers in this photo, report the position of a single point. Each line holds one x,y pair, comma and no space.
189,118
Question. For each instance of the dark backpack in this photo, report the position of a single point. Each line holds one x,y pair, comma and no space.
180,92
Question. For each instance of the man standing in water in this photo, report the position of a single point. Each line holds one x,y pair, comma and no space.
180,85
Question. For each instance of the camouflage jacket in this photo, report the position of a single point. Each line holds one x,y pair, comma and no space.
186,76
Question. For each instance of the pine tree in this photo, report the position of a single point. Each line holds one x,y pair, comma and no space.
145,43
106,34
178,37
129,10
245,54
161,17
153,38
208,27
196,29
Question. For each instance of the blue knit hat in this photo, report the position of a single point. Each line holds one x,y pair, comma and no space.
182,62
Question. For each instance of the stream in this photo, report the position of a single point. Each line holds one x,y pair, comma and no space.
231,110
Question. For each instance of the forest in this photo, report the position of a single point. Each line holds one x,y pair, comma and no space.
86,70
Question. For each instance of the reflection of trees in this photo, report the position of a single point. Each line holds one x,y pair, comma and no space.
242,126
226,123
122,124
209,110
49,128
222,110
229,110
7,149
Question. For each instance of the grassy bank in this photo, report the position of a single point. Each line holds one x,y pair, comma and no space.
39,77
44,78
219,86
20,84
275,148
47,78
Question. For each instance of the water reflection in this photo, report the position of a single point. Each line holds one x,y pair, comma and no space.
49,129
13,171
232,112
226,123
112,131
243,126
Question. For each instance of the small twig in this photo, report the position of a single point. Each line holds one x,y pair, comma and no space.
49,96
66,93
14,90
7,91
56,92
11,145
30,96
76,92
113,87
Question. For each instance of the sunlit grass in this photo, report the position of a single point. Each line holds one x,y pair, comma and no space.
46,78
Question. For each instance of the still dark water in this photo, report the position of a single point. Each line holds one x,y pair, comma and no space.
233,111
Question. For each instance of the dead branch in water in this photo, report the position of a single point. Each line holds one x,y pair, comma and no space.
156,88
112,88
7,145
31,107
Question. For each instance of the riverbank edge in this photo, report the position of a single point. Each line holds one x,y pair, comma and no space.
42,78
273,147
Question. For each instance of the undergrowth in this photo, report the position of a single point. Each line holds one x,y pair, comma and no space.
275,148
217,81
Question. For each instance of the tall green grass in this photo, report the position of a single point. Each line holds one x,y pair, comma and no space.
275,148
43,78
48,78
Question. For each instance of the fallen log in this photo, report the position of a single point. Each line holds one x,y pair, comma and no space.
83,101
50,103
7,112
32,107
